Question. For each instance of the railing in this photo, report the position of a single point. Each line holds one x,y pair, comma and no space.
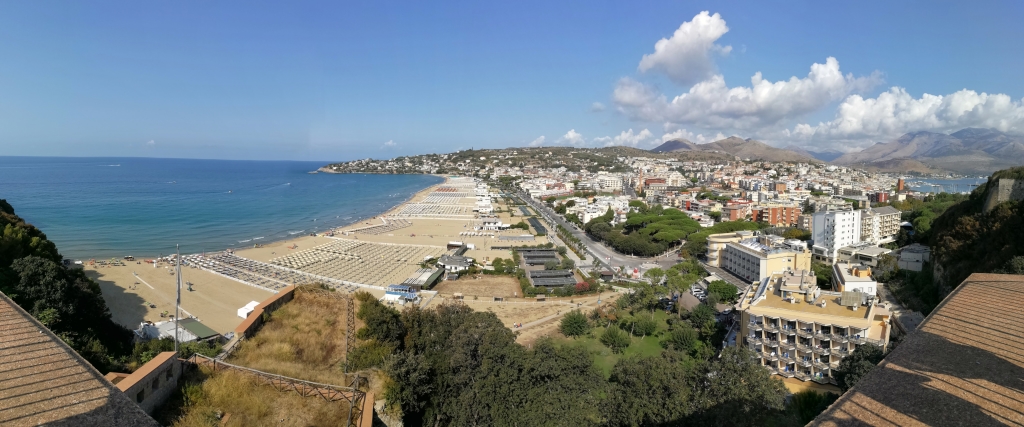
820,365
773,343
756,326
328,392
803,376
805,334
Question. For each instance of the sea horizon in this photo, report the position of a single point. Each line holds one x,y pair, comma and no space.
104,207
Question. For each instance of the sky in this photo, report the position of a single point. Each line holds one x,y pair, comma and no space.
337,81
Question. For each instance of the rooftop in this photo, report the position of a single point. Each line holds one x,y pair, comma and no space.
852,273
963,366
46,382
773,304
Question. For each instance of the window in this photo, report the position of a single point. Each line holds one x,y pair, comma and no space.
156,382
170,373
141,396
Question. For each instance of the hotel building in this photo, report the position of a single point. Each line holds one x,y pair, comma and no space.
799,331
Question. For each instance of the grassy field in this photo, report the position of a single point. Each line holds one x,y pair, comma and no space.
304,339
230,398
603,356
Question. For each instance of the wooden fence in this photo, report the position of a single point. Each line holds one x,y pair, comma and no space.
356,399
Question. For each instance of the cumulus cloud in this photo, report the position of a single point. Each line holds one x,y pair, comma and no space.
687,56
151,143
625,138
572,138
713,104
596,107
690,136
389,144
860,120
537,142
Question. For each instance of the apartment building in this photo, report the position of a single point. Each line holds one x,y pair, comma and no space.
848,277
609,182
834,229
865,253
799,331
756,257
880,225
780,216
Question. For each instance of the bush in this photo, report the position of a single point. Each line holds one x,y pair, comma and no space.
615,339
574,324
369,354
855,366
725,291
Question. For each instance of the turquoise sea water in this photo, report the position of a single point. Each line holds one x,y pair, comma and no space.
111,207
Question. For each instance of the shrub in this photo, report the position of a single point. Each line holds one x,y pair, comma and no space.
615,339
369,354
574,324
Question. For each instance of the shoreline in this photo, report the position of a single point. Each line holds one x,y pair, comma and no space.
296,237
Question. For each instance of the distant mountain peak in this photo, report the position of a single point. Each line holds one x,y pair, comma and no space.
969,150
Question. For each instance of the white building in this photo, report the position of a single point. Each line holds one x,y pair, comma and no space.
853,278
834,229
609,182
880,225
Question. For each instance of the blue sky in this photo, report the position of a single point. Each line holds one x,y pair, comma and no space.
330,81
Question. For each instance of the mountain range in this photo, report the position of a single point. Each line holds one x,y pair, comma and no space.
738,147
967,151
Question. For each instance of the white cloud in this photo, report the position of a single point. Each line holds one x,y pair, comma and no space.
860,121
686,57
597,107
537,142
151,143
712,104
690,136
625,138
389,144
572,138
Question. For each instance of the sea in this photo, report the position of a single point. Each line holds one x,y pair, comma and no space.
112,207
945,185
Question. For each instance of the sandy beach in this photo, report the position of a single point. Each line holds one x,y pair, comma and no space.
377,251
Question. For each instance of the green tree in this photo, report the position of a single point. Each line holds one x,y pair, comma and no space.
574,324
735,390
551,265
808,404
725,291
655,275
647,391
855,366
615,339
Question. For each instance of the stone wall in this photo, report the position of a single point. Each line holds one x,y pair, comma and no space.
154,382
1004,190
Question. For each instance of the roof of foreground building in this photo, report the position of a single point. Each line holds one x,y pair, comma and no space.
963,366
43,381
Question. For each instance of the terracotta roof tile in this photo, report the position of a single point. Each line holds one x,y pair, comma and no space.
43,381
964,366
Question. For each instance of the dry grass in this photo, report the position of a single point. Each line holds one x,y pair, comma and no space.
304,339
232,398
484,286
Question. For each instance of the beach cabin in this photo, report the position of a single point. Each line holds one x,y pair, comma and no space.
244,311
399,294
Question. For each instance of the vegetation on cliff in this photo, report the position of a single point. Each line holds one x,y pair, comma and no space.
965,239
64,300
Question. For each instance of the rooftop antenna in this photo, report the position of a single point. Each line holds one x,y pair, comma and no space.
177,304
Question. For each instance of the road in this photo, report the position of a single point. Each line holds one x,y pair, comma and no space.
608,257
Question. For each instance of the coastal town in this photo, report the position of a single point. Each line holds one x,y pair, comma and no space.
509,214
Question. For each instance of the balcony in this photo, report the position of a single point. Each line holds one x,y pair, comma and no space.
754,326
821,380
771,328
803,376
839,338
789,345
804,362
820,365
753,340
804,333
773,343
